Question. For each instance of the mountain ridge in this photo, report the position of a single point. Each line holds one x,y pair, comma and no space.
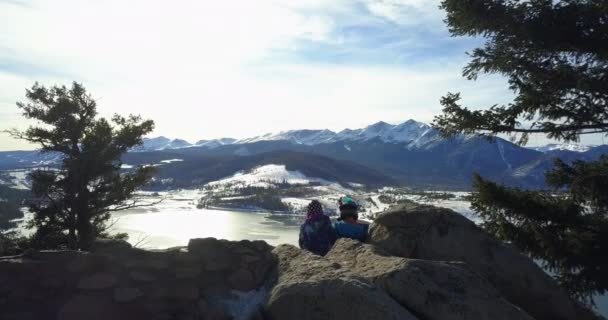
415,133
411,153
408,131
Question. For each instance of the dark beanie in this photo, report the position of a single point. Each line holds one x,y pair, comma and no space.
315,207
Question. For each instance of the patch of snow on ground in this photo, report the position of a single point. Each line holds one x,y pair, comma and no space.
171,160
19,179
243,305
126,166
458,204
379,204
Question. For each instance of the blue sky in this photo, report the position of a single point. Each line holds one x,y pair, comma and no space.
210,69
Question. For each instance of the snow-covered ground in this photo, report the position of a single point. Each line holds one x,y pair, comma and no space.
18,179
171,161
277,177
267,175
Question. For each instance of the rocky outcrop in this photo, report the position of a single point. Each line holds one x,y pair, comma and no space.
436,234
115,281
430,289
423,263
360,281
311,287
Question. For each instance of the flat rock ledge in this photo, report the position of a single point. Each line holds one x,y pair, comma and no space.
422,263
115,281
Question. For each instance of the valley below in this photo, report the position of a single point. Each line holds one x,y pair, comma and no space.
179,218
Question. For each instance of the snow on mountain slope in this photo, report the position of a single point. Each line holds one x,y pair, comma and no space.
267,175
163,143
563,146
408,131
212,144
306,137
411,131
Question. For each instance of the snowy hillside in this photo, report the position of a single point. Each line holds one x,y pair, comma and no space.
269,176
563,147
274,188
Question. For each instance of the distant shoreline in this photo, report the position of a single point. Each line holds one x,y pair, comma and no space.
259,211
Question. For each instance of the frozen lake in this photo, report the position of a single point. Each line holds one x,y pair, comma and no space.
174,227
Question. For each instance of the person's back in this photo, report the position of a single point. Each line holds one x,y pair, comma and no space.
357,231
316,233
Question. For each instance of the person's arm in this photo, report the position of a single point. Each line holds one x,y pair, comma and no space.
302,240
365,232
332,232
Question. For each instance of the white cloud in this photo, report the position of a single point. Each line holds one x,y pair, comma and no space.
206,69
406,12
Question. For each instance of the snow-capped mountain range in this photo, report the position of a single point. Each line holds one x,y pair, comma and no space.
411,132
411,153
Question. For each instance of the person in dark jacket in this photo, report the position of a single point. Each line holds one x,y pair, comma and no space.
348,225
316,233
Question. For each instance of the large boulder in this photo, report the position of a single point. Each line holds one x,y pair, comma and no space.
430,233
430,289
311,287
250,262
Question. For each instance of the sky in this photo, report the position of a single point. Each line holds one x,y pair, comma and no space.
210,69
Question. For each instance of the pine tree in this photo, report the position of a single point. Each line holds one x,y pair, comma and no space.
555,57
74,202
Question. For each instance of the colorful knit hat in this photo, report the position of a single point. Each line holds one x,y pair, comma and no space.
314,207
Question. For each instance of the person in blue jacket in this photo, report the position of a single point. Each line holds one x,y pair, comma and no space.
348,225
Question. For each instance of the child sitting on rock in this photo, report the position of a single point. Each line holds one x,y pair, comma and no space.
317,234
348,225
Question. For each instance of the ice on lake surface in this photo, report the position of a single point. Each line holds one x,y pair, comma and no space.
177,220
169,228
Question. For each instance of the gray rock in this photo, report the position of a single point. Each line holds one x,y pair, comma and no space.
430,233
24,315
122,295
215,254
142,276
110,245
97,281
187,272
52,283
185,291
203,306
243,280
147,263
431,289
310,288
91,308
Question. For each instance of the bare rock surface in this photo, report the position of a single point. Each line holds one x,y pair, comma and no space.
116,281
311,287
437,234
431,289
